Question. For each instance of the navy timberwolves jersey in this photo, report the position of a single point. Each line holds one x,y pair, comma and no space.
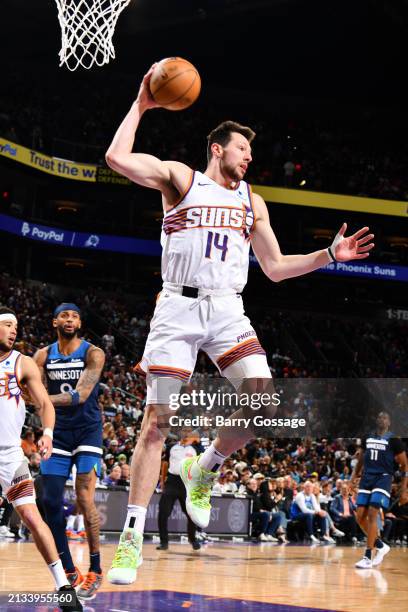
63,372
379,453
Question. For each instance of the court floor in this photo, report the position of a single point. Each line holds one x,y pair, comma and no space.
230,577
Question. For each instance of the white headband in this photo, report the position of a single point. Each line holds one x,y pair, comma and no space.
8,317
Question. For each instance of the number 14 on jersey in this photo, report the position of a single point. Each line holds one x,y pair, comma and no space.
214,239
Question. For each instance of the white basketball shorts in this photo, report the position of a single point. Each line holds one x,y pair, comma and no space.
15,478
181,326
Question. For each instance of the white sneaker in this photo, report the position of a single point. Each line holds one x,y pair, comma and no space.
338,534
380,554
282,539
314,540
5,532
271,538
198,483
328,539
263,538
364,563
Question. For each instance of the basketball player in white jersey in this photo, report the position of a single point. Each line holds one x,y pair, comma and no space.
17,370
210,221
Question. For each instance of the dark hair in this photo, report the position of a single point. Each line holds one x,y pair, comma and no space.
4,310
222,134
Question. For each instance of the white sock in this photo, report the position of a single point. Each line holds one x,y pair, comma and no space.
58,574
135,518
211,459
71,522
80,523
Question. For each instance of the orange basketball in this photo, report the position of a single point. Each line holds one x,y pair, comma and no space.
175,83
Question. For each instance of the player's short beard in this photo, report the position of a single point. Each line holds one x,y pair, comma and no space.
4,348
68,335
230,171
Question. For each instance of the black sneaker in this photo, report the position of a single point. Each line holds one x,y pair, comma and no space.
73,604
162,546
196,545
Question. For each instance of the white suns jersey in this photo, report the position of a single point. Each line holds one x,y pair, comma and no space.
12,405
206,237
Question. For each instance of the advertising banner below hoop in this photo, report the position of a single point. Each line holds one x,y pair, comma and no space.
55,166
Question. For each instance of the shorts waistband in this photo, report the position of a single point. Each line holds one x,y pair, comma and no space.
195,292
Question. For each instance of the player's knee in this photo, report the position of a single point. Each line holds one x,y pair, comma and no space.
51,502
361,514
372,513
30,516
154,433
84,499
155,426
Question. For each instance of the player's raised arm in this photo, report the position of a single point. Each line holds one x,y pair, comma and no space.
279,267
169,177
30,376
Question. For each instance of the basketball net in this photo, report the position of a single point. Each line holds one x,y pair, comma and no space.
87,28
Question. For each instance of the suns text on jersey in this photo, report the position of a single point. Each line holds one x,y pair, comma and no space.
211,216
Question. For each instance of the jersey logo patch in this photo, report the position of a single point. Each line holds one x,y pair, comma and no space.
9,388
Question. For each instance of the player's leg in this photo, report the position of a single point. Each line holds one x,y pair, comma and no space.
44,541
380,498
362,518
54,474
17,484
42,536
85,493
372,523
144,475
249,375
168,361
372,494
87,457
239,356
53,500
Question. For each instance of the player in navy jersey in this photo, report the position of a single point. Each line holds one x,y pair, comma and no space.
376,459
71,368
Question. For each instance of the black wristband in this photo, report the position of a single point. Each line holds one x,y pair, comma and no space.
331,254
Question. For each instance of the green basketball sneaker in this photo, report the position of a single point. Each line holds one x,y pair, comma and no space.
127,559
198,483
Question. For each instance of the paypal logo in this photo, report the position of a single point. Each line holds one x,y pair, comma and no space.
7,148
47,235
25,229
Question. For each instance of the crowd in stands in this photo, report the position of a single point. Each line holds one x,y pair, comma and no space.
320,154
300,486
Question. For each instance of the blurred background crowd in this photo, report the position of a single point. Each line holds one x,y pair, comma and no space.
292,149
